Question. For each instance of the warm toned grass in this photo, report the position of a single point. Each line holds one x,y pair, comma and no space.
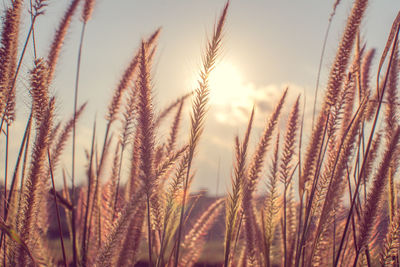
331,200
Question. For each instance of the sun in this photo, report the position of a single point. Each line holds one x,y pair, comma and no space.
226,84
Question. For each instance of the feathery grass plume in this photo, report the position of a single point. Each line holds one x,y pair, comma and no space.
337,74
351,84
8,55
169,108
339,66
126,135
376,191
335,119
130,247
108,215
285,166
128,118
87,10
234,199
199,108
389,254
127,78
392,200
335,5
59,37
127,130
289,145
107,254
173,199
392,39
54,133
39,89
159,154
365,72
336,114
112,185
133,180
38,7
271,207
163,169
13,19
391,96
365,83
95,219
159,200
194,240
175,128
291,224
391,119
346,103
147,137
372,155
35,187
258,156
336,185
311,155
123,85
59,145
253,175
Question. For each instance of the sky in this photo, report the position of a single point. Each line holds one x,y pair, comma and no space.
267,46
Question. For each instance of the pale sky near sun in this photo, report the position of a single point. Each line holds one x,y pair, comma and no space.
267,45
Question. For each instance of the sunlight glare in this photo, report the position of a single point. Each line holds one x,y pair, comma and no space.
226,85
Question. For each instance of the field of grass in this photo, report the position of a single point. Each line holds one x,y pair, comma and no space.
332,197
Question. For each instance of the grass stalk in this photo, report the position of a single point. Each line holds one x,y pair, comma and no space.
368,147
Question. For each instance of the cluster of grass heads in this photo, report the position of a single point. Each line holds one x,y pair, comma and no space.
331,200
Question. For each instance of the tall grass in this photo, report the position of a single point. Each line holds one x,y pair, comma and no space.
331,200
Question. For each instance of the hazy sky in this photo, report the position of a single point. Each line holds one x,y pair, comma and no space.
267,45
